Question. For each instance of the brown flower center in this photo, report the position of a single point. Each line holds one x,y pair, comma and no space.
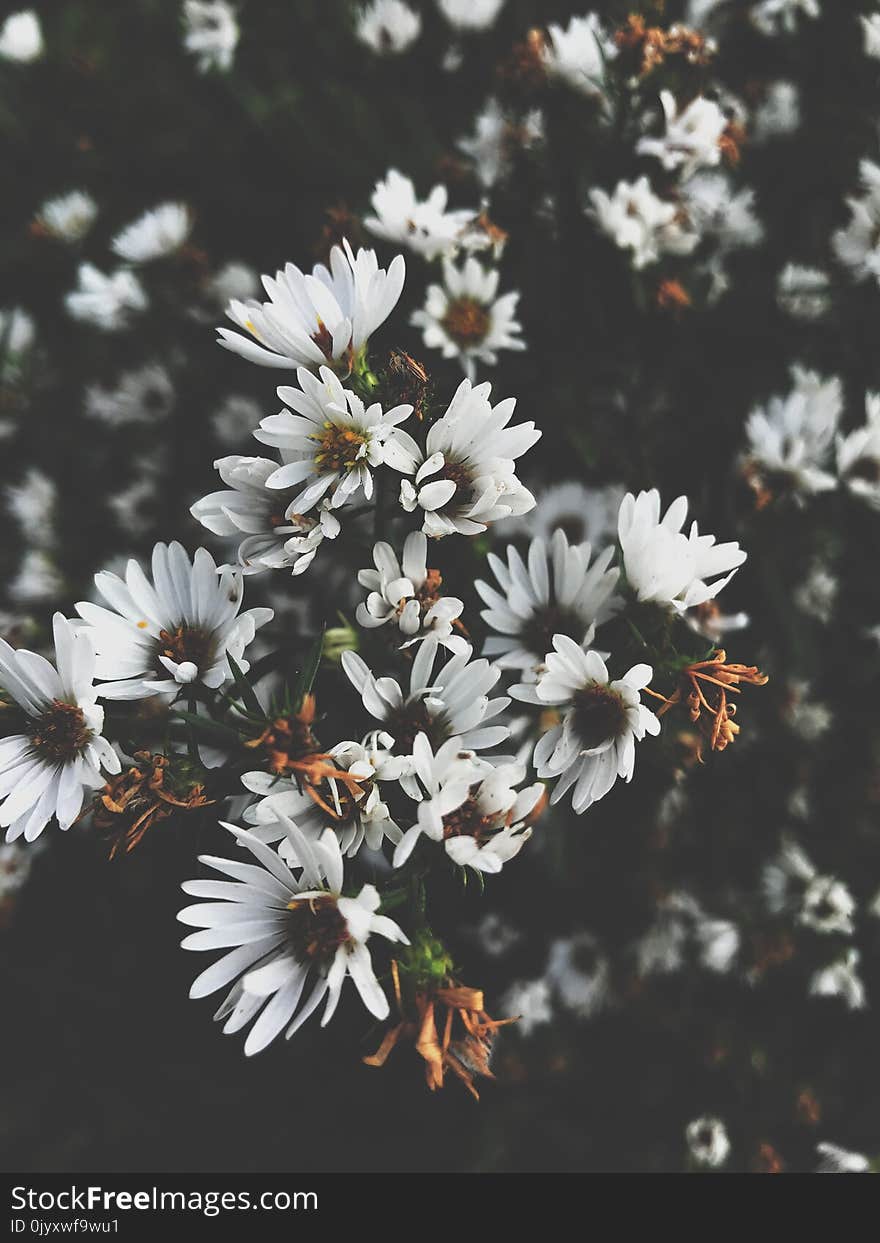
865,468
61,732
186,643
339,449
468,820
537,633
316,928
599,714
413,718
467,321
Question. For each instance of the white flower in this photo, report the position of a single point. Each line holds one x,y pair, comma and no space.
836,1160
714,209
468,805
778,114
276,537
470,14
817,594
871,34
234,280
325,317
69,216
333,443
452,702
665,566
57,755
858,455
210,33
37,579
17,331
557,591
281,932
662,949
427,227
577,55
158,637
467,480
157,233
585,514
693,135
388,26
107,302
803,292
602,721
408,595
790,439
529,1000
21,38
580,973
142,396
638,221
791,883
235,419
15,867
32,504
773,16
858,245
841,979
465,319
494,140
718,943
708,1142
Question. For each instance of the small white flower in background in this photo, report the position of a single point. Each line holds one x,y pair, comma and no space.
210,33
580,974
718,943
233,280
693,135
836,1160
48,767
807,718
790,439
784,880
557,591
775,16
841,979
159,637
470,14
32,504
467,479
407,594
325,317
665,566
495,935
803,292
708,620
778,114
857,246
792,884
68,217
707,1141
426,227
858,455
715,209
282,932
601,722
661,950
16,861
587,515
38,578
157,233
473,808
235,419
21,38
494,140
817,594
106,302
142,396
333,442
465,319
530,1001
388,26
275,536
577,54
638,221
17,332
450,702
871,34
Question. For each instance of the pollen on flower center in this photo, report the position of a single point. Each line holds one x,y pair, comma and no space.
412,719
339,448
186,643
467,321
599,714
457,472
468,820
61,732
316,928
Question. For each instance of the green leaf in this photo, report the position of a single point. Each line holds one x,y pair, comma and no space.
213,729
247,692
309,671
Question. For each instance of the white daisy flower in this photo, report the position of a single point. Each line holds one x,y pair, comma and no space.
37,579
21,38
693,135
466,479
585,514
602,721
858,455
236,419
17,332
210,33
32,504
803,292
276,537
664,566
718,943
326,317
871,34
557,592
470,14
841,979
333,443
408,595
452,702
792,884
47,768
836,1160
473,808
426,227
778,114
16,861
774,16
530,1001
465,319
157,233
791,438
142,396
638,221
857,246
716,210
159,637
707,1141
233,280
494,140
388,26
577,54
580,974
281,932
68,217
106,302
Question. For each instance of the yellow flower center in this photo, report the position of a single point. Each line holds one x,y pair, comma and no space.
339,449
